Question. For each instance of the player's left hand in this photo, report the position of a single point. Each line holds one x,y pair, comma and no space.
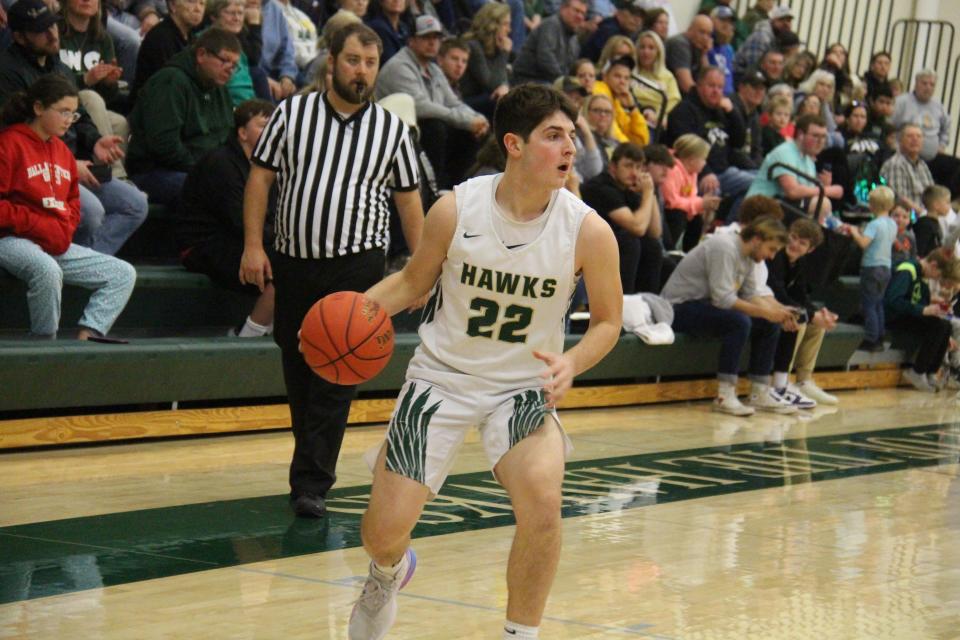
558,376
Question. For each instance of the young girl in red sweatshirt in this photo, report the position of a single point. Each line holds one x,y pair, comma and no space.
40,210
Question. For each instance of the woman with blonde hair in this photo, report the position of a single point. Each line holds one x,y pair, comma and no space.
651,66
598,110
617,47
685,210
488,41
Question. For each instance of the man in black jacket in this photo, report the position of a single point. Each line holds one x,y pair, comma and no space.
168,38
210,225
706,113
787,278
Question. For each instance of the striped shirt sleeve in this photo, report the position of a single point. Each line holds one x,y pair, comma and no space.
268,153
404,175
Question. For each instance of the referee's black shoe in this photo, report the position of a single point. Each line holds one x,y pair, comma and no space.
309,505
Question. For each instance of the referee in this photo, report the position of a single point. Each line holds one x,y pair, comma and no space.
338,157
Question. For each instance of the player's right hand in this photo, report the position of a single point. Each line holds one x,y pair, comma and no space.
255,267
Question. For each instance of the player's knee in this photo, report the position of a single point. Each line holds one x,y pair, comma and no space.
541,511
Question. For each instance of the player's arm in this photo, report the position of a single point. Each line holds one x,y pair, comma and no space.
399,290
597,259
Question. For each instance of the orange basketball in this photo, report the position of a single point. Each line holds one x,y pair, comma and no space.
346,338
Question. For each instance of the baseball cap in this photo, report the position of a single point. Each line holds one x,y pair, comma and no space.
721,12
32,16
754,79
625,61
426,25
569,84
633,6
781,12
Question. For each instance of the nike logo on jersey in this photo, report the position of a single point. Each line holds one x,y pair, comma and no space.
471,235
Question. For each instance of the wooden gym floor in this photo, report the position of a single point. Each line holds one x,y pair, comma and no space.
679,523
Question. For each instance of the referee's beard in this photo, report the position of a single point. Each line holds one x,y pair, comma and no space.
354,92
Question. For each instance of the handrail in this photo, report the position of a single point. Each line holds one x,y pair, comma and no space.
948,103
815,180
655,86
907,59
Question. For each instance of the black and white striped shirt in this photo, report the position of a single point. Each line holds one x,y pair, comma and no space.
335,176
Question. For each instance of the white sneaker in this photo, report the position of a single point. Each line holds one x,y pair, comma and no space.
376,609
792,394
766,398
918,380
727,402
810,389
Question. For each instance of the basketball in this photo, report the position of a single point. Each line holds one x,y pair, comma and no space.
346,338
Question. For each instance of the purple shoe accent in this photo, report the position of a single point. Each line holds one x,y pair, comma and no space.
412,557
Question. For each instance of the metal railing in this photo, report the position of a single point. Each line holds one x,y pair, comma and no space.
921,44
952,103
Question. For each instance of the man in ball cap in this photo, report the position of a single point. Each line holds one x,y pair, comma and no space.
762,39
448,127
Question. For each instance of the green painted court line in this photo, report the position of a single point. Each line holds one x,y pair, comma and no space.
62,556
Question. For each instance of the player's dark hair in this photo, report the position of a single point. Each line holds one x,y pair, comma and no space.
525,107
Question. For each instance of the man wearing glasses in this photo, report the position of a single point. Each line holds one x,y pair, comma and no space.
182,112
799,154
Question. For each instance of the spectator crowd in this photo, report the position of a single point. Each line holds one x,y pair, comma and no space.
738,169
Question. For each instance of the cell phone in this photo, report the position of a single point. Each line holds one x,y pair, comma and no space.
102,172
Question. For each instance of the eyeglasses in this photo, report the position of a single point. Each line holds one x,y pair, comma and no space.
601,112
226,62
235,13
66,114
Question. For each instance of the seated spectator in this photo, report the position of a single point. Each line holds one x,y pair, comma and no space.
877,75
771,66
658,161
756,14
714,293
111,210
720,54
248,80
877,244
40,210
598,109
746,104
303,36
822,84
393,22
779,112
624,196
687,213
905,171
551,49
127,30
356,7
686,53
909,307
940,220
837,62
762,39
626,21
629,125
702,112
651,67
449,128
489,47
658,21
798,67
87,49
585,72
799,154
453,58
278,58
879,111
905,246
616,47
184,112
168,38
318,71
210,225
920,108
799,348
490,159
590,159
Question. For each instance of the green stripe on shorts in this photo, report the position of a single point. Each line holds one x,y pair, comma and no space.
407,436
528,410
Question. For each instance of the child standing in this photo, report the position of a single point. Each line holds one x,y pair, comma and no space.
877,244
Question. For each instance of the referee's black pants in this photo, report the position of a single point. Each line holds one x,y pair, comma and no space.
318,409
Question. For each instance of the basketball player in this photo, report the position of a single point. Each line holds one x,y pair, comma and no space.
504,253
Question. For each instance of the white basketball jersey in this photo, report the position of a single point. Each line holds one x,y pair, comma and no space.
494,306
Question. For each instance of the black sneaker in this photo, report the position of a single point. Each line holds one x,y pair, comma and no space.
309,505
868,345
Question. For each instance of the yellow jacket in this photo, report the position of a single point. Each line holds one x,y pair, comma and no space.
628,126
